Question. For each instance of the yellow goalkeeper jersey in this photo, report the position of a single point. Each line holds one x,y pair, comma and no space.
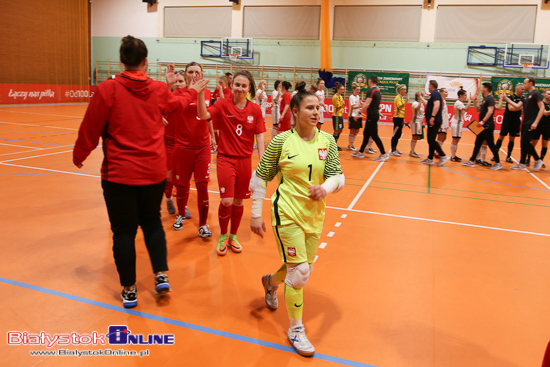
299,164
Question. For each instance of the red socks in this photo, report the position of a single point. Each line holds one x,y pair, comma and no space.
168,189
224,214
236,216
183,196
202,201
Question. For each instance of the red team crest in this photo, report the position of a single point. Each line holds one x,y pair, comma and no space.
292,251
323,154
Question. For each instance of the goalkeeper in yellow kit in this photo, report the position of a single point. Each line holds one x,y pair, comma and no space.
306,163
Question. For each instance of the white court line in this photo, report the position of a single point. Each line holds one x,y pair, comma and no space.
344,216
338,224
29,151
344,209
50,170
331,234
323,245
442,221
37,156
51,127
21,146
316,257
528,171
44,114
365,186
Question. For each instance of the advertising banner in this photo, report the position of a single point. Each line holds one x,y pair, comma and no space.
45,93
453,85
504,85
386,81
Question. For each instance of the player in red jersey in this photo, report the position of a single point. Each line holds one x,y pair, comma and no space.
238,121
169,142
284,119
193,139
222,90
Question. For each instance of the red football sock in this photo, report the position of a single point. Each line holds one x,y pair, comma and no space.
224,214
202,201
168,189
183,196
236,216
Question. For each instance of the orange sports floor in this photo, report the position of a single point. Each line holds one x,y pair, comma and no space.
420,266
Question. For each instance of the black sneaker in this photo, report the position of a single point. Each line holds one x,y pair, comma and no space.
161,283
477,161
456,159
129,298
178,223
339,149
493,159
509,160
486,164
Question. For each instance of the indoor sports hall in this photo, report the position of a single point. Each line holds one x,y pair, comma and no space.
417,265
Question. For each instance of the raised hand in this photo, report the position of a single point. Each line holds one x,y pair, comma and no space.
171,77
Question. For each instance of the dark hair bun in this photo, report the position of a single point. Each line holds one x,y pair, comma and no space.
301,87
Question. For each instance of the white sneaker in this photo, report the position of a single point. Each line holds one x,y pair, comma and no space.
469,163
395,153
382,157
398,152
414,155
538,165
188,214
270,293
352,148
204,231
496,167
357,155
178,224
299,341
371,151
519,166
427,161
443,160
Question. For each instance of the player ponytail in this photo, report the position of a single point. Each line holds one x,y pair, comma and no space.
286,85
337,86
250,78
299,97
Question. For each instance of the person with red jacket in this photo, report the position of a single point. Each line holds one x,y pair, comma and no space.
239,121
126,112
194,138
284,118
169,142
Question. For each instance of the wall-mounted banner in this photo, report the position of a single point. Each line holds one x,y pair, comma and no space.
504,85
386,81
453,85
45,93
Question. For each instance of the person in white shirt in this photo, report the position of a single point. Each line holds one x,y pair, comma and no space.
442,134
261,96
354,118
458,122
275,113
321,96
416,124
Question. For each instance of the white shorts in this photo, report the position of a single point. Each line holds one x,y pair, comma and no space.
456,130
416,128
444,127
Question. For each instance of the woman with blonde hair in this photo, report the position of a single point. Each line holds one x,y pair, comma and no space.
261,96
400,102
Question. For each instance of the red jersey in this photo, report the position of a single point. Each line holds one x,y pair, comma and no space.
226,94
190,131
169,130
284,124
127,113
237,127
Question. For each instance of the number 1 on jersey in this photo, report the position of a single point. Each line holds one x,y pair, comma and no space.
310,168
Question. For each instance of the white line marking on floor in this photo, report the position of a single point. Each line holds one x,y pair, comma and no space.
531,173
344,216
20,146
37,156
338,224
365,186
49,170
52,127
316,257
330,234
323,245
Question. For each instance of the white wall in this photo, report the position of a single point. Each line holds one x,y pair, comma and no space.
117,18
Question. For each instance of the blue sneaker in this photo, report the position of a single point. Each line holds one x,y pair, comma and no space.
161,283
129,298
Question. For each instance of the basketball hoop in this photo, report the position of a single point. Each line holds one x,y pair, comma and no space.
233,57
527,66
